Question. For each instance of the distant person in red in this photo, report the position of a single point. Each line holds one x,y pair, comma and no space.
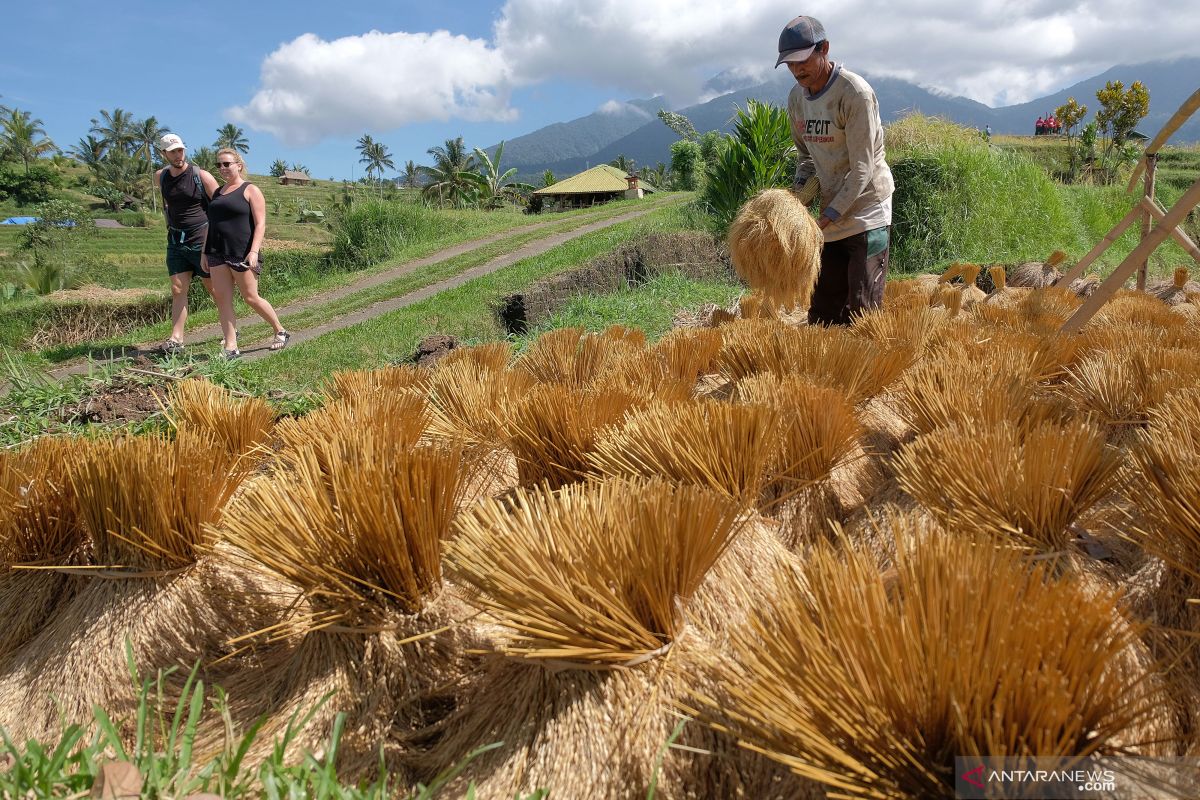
1052,124
1039,127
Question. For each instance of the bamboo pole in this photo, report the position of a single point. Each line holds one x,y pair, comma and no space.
1190,199
1147,217
1189,107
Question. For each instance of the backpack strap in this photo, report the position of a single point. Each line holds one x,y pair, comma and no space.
199,186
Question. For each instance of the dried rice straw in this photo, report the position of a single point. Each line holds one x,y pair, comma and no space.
775,246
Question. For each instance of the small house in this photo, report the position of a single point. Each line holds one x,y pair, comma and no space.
596,185
292,178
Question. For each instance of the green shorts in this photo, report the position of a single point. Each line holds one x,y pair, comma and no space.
183,258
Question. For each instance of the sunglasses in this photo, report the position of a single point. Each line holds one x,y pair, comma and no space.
226,163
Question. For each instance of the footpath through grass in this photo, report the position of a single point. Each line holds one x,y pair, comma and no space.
466,312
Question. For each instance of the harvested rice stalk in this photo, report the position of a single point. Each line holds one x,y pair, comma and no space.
399,417
872,684
648,375
351,386
957,389
705,443
1004,295
571,356
775,246
1175,291
39,526
467,400
753,346
1019,483
757,305
910,327
554,428
1122,384
1129,307
949,298
494,356
1037,274
242,424
534,563
690,352
971,293
361,537
622,333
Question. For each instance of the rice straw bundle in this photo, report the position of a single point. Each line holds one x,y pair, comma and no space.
908,293
955,389
39,526
573,357
400,417
756,305
1034,275
1085,286
353,385
752,346
1046,309
949,298
775,245
149,504
1133,308
623,333
646,374
554,428
971,293
925,284
1025,484
690,352
1003,294
705,443
873,684
493,356
838,358
1175,291
1121,384
911,327
242,424
467,401
591,585
361,537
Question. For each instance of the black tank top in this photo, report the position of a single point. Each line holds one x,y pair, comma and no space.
185,206
230,225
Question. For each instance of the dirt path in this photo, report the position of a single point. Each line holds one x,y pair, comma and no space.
256,350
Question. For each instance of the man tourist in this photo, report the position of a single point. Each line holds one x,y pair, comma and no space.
186,190
835,123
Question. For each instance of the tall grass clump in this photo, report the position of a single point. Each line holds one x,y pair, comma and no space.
957,198
376,230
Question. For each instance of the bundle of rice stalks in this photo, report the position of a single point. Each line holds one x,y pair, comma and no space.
1038,274
623,333
819,431
690,352
1016,350
971,292
1048,308
351,386
573,357
1085,286
947,297
149,504
1023,483
361,538
554,428
756,305
1130,307
591,585
1175,291
775,246
242,424
400,417
39,527
1004,295
1123,383
911,327
749,347
705,443
907,293
648,375
955,389
872,684
467,401
494,356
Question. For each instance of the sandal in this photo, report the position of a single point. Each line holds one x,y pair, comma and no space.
231,355
170,347
281,340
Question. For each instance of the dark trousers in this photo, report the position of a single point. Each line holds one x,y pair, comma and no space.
849,283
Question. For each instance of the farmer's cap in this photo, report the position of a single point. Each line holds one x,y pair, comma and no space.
172,142
799,39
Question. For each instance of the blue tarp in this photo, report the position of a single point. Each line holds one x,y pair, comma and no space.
19,221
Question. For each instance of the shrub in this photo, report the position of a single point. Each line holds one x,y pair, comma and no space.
373,231
759,155
28,188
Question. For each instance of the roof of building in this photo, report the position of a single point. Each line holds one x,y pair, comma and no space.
597,180
296,176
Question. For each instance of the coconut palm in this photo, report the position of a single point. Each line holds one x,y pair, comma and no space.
115,129
411,176
624,163
24,137
453,178
298,167
376,156
548,178
147,133
496,184
232,137
88,151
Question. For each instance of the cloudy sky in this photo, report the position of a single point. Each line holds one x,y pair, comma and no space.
306,79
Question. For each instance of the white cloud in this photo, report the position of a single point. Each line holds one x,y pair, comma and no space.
995,51
615,107
312,88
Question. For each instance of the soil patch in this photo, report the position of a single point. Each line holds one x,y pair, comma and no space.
124,400
694,254
433,348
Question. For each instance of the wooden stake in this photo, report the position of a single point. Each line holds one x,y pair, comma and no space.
1181,238
1147,217
1176,215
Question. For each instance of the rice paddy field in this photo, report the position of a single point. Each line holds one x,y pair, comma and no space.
753,559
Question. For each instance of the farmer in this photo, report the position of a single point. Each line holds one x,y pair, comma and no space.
237,221
835,123
186,190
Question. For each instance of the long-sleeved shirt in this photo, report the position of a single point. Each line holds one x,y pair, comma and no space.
839,137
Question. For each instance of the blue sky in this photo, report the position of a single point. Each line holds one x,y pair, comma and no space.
306,79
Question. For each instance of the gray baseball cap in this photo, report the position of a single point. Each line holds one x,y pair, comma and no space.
799,39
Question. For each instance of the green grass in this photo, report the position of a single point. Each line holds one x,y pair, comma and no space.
466,312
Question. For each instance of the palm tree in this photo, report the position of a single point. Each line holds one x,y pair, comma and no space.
453,177
88,151
296,167
278,167
623,163
147,133
376,156
232,137
411,176
548,179
115,129
496,184
205,158
24,137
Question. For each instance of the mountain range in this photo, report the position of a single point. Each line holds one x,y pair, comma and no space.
632,129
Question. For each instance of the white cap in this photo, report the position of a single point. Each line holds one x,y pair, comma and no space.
170,142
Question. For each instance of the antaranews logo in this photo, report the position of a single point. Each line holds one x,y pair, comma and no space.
1076,778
